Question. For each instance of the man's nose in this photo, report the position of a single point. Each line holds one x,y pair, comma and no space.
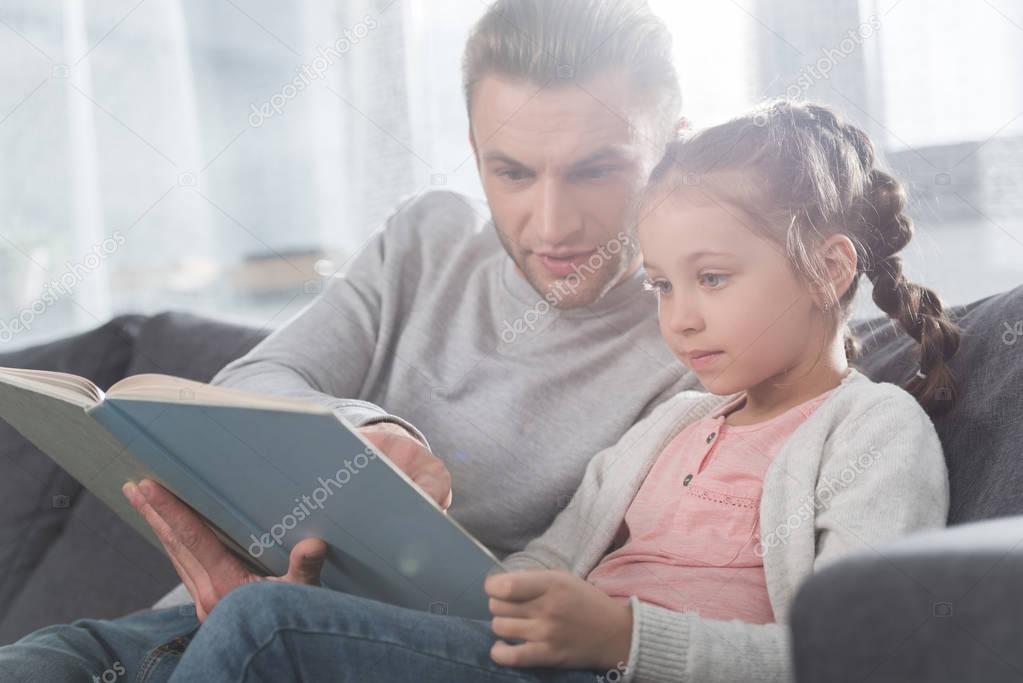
557,215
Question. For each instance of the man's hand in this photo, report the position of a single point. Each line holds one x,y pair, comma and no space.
207,568
210,571
412,458
565,621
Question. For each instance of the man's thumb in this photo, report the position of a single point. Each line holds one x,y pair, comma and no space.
306,561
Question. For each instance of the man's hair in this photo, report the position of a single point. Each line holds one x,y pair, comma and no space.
554,42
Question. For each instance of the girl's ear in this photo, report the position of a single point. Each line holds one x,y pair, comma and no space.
838,255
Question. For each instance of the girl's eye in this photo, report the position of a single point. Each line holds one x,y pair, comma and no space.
657,286
716,279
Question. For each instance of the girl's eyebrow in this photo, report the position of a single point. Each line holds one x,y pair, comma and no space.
705,252
648,265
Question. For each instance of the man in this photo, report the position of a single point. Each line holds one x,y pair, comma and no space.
490,358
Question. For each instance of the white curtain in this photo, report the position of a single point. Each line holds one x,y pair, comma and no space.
222,156
219,156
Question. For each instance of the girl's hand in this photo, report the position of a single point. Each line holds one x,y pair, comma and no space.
565,621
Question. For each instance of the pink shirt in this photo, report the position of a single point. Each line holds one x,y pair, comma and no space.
695,521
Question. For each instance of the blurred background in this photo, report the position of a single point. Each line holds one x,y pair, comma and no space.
224,156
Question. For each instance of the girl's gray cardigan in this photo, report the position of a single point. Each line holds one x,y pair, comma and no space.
864,468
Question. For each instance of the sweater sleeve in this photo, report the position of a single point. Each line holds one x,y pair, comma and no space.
899,484
560,545
324,353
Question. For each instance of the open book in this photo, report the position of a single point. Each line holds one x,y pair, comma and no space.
264,472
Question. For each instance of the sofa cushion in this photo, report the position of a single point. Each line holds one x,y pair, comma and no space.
37,498
189,346
97,567
983,435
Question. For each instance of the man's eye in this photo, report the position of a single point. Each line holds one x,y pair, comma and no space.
513,174
596,173
713,280
657,286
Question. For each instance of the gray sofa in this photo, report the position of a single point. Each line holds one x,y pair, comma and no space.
946,605
881,616
63,554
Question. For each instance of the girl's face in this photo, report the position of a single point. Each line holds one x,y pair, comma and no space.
724,288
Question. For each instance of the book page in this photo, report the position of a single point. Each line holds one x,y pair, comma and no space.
153,387
62,385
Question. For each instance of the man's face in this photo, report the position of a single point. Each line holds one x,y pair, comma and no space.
562,168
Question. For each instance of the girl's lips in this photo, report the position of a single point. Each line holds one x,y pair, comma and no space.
704,361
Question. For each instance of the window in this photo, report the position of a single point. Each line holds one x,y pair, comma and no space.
223,157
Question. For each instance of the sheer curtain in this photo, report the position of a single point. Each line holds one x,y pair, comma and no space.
217,156
223,156
938,84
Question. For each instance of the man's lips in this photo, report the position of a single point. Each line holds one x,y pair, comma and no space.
564,263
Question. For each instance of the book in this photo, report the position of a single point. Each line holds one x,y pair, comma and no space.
263,472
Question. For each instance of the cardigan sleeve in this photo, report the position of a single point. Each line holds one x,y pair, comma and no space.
897,478
882,475
670,646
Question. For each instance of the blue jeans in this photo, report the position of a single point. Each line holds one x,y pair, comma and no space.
271,631
144,646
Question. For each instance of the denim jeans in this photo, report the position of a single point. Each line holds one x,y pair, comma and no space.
272,631
144,646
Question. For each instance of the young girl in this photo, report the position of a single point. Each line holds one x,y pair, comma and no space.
679,555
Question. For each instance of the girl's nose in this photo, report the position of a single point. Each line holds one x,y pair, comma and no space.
683,315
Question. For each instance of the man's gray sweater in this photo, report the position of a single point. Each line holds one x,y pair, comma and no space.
431,324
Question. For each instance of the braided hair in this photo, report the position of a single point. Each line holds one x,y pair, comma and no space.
805,174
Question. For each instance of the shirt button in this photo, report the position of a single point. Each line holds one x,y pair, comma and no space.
711,436
689,478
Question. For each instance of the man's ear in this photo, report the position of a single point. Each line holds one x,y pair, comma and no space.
839,257
682,127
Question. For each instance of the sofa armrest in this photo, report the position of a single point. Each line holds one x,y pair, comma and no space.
935,606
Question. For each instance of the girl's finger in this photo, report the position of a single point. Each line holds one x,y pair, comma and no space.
504,608
508,627
519,586
527,654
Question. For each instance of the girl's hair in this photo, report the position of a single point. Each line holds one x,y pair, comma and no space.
802,174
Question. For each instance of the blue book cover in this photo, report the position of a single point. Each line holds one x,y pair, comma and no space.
266,477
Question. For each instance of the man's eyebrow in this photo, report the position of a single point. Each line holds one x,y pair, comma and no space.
610,153
604,154
503,158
